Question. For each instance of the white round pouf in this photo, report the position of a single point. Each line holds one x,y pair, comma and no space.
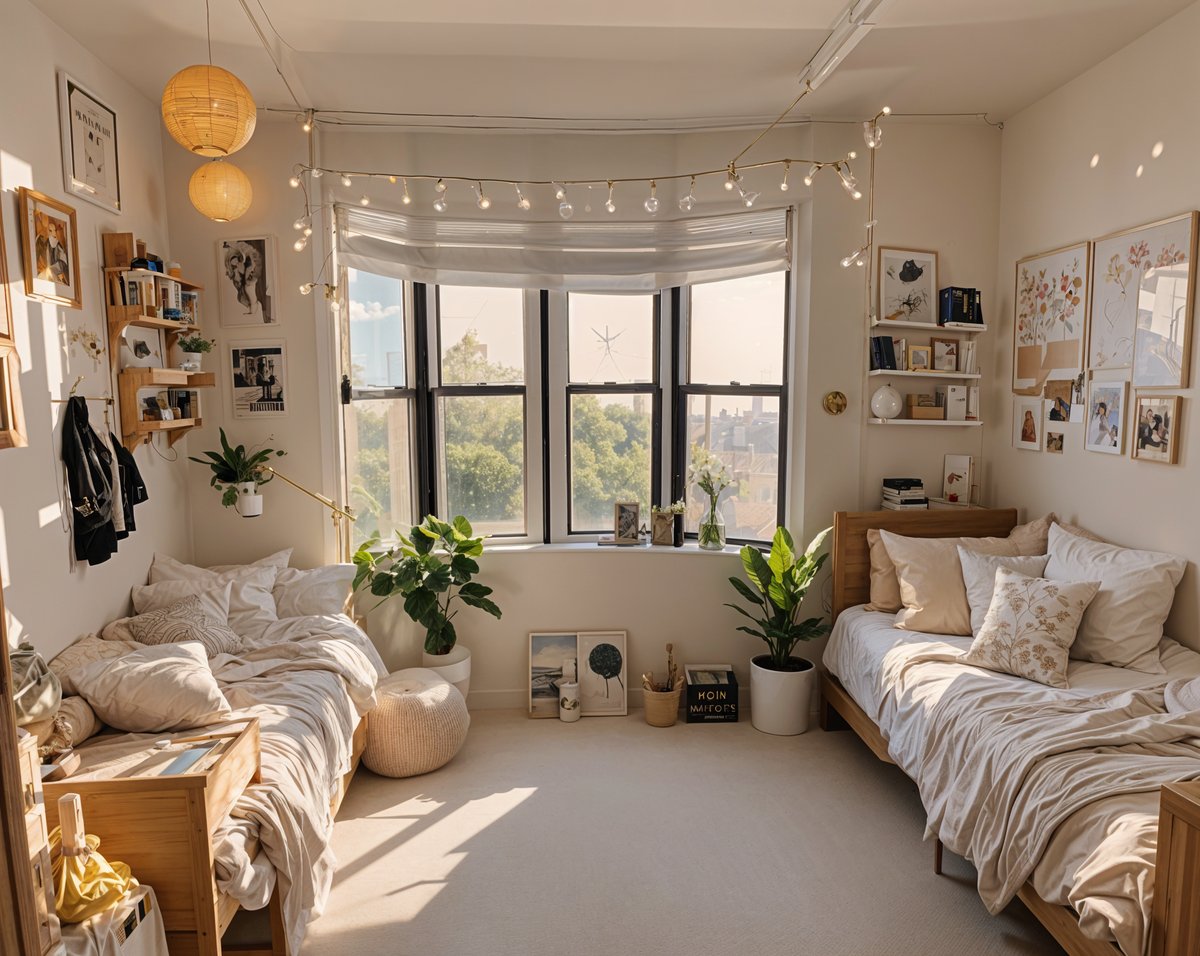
419,723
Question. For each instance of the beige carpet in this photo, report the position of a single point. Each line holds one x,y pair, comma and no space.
608,837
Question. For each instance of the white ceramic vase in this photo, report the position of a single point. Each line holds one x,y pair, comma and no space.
191,361
779,700
249,503
454,666
569,709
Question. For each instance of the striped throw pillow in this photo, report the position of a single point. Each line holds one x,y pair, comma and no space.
185,621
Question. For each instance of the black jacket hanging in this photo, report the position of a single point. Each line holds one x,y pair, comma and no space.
89,468
133,489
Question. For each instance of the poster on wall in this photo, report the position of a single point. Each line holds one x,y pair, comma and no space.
91,169
246,281
1051,304
908,286
50,249
258,377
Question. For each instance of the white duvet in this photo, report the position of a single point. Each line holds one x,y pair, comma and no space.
1100,859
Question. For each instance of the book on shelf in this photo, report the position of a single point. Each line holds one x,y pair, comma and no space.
958,305
915,495
894,506
903,484
967,360
883,352
972,403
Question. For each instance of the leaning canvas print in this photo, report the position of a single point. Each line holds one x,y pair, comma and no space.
550,654
908,285
602,683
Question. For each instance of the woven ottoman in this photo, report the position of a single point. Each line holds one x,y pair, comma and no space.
419,723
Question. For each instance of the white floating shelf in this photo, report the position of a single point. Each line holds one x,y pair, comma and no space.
896,373
948,327
937,422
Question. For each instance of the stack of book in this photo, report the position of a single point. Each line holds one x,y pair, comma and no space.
904,494
883,352
968,357
960,306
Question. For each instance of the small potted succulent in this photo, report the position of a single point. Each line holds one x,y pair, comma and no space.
238,473
193,347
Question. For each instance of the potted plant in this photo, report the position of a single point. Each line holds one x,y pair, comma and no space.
780,684
661,698
431,568
709,474
193,347
238,473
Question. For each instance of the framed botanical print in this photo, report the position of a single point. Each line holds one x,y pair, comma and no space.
908,286
1157,434
91,169
1051,312
50,249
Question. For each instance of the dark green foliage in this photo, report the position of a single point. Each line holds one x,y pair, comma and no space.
232,466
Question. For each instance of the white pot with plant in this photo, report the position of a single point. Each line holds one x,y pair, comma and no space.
238,473
431,569
781,685
193,348
709,474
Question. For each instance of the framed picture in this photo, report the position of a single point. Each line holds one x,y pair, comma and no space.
140,348
246,281
1106,417
1027,423
1143,289
602,673
91,169
1051,309
920,358
945,354
957,479
662,528
12,419
1059,395
50,249
550,655
1157,428
908,285
258,379
626,521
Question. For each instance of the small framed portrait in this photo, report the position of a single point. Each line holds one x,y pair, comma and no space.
945,354
552,657
1054,441
89,145
1027,423
626,521
1157,428
920,358
50,249
662,528
1106,417
602,682
908,286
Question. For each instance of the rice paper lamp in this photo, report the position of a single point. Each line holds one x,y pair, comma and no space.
220,191
208,110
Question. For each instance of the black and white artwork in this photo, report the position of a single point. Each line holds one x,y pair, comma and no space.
626,521
552,656
246,281
258,373
91,169
908,286
602,683
140,348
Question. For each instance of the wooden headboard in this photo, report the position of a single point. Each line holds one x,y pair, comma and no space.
852,556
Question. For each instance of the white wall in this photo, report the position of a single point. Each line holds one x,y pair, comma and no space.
49,601
1050,197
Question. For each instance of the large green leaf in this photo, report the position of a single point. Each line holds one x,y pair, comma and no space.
474,589
382,584
782,556
484,604
746,591
463,526
438,580
463,567
423,539
757,569
419,602
750,630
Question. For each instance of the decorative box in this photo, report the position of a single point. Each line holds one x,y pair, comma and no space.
712,694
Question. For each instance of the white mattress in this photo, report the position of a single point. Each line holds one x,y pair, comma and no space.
1100,860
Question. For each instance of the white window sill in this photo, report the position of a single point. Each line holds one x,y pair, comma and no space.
590,547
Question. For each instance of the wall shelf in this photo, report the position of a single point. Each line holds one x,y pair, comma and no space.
167,378
968,327
897,373
936,422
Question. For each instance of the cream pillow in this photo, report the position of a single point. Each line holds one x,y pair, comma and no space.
87,649
214,601
979,577
74,723
182,622
931,580
1031,538
321,590
278,560
1030,625
1124,624
251,604
155,689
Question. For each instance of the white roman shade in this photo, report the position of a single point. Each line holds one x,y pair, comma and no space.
573,256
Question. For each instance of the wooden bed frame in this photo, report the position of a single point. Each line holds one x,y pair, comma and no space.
1175,915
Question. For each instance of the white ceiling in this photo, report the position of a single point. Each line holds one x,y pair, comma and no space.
623,63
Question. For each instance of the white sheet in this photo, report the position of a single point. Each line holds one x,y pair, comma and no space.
1101,859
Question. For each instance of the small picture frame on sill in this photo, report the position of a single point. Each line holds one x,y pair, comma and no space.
626,522
920,358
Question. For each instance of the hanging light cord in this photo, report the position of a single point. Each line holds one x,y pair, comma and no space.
779,119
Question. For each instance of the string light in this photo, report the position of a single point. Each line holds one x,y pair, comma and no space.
440,186
849,183
299,224
406,198
731,178
439,204
856,258
294,182
482,201
688,201
345,180
523,202
560,192
610,205
307,231
306,288
318,173
299,244
783,185
811,174
365,200
565,209
306,121
651,203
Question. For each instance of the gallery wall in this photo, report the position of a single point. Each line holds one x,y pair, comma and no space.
1051,196
49,600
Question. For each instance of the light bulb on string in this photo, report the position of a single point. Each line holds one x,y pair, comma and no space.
651,203
855,258
783,184
811,174
317,173
392,180
731,179
306,123
610,205
440,186
294,182
587,205
299,223
439,204
406,198
299,244
849,183
523,202
749,198
560,191
307,231
365,200
306,288
345,180
688,201
565,209
481,198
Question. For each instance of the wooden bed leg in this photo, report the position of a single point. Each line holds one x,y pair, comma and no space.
937,856
278,929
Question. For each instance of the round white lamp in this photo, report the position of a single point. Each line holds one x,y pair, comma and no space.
886,403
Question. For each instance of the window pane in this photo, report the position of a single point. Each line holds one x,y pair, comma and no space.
736,331
611,338
743,431
482,460
610,457
482,335
377,354
379,467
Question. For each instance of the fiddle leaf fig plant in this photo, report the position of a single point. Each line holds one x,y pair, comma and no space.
780,582
431,568
232,466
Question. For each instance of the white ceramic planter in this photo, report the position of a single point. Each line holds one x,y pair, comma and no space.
454,667
568,700
779,699
191,361
249,503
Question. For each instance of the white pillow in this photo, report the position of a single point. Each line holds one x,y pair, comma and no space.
214,601
167,687
979,576
278,560
183,622
1124,623
86,650
251,604
317,591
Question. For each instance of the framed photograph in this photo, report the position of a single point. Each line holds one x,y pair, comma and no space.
258,379
246,281
1054,440
945,354
1027,423
1051,309
1157,428
920,358
602,680
908,285
957,479
550,654
91,169
1058,395
191,307
1106,417
50,249
140,348
662,528
900,348
626,521
1143,289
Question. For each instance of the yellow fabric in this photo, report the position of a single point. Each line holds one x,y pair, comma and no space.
86,885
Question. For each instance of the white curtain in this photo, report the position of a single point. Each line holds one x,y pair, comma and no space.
573,256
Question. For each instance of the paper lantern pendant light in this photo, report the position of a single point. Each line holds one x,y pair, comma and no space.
208,110
220,191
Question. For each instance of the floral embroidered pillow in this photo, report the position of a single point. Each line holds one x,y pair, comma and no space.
1030,626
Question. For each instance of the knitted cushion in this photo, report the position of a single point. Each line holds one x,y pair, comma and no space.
418,724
